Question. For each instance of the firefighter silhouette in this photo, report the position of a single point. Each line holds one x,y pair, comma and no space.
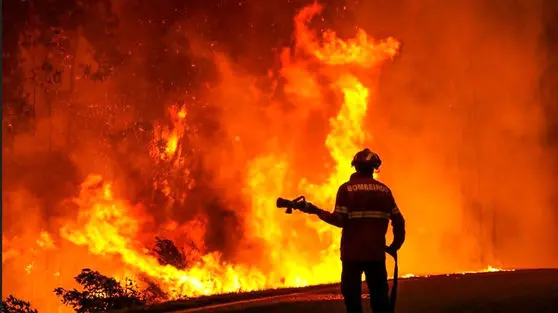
363,209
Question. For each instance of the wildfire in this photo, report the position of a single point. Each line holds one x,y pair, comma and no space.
45,241
490,269
167,150
168,138
361,50
7,251
346,136
111,227
107,226
13,248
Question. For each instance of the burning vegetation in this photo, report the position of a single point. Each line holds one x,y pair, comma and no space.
149,144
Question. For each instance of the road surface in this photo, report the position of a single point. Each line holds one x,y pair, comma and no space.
526,291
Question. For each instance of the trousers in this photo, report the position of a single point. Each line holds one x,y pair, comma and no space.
376,280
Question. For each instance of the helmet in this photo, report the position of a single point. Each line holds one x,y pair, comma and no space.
367,157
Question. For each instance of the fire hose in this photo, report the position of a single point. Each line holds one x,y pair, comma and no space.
300,203
393,295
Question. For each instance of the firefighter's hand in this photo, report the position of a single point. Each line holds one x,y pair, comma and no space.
310,209
391,250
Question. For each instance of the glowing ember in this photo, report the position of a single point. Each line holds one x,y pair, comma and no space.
29,267
408,276
490,269
45,241
170,136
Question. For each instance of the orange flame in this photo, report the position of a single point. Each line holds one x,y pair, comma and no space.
45,241
361,50
323,74
106,225
170,136
345,137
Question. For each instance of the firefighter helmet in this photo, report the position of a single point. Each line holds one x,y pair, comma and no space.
367,157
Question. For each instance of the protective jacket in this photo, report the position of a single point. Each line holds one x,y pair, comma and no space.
363,209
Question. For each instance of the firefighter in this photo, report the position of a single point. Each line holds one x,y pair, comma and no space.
363,209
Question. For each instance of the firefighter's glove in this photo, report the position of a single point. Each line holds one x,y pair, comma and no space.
391,250
310,208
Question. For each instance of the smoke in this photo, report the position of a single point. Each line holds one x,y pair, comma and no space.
548,81
461,125
458,119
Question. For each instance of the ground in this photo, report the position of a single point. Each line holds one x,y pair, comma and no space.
526,291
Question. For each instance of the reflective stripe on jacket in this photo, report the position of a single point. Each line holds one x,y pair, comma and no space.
363,208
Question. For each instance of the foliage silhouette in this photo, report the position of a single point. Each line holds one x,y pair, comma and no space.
100,293
15,305
168,254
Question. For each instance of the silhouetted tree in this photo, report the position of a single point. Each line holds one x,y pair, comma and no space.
15,305
100,293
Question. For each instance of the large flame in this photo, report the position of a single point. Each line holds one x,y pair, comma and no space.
107,225
329,82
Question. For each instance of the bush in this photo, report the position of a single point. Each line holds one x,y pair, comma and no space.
100,294
15,305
